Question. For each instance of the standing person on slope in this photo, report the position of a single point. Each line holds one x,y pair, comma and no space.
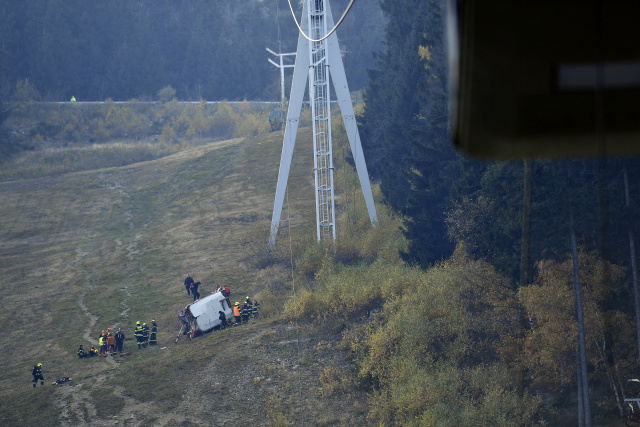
119,340
187,284
138,334
154,331
37,374
194,290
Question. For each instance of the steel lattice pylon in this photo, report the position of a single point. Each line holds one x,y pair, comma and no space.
315,62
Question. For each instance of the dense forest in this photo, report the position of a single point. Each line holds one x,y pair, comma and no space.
131,49
449,201
517,277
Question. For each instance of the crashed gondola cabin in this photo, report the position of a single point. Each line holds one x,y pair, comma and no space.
203,315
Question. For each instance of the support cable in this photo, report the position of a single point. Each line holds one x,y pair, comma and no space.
330,32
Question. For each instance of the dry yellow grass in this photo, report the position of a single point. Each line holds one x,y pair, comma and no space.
105,248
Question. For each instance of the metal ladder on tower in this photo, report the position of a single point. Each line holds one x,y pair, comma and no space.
312,64
321,113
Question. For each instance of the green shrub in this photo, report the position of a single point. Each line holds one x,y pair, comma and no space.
24,96
223,121
168,136
166,94
252,125
270,303
429,356
275,413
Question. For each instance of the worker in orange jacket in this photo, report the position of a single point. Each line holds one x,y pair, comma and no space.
111,342
236,314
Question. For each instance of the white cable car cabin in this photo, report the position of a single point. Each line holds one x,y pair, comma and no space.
204,314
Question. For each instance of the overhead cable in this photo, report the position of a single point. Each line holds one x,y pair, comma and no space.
330,32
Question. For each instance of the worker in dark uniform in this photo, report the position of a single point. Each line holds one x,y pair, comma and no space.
37,374
249,305
119,340
246,310
194,290
154,331
81,352
256,307
145,335
223,319
139,333
187,283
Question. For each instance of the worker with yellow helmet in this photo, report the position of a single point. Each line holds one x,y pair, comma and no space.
139,334
37,374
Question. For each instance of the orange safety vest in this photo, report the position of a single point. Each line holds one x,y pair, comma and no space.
236,310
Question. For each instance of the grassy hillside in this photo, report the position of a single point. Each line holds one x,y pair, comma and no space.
81,252
348,336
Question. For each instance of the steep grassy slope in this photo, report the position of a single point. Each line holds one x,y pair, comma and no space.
105,248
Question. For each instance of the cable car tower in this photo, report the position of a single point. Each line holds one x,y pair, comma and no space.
317,58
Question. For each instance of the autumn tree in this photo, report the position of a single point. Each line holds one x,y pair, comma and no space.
551,338
432,355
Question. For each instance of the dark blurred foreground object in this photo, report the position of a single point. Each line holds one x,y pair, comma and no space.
544,79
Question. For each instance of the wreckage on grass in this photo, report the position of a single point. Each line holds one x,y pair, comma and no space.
203,315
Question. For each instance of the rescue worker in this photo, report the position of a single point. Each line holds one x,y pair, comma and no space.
119,340
256,307
93,351
37,374
81,352
246,311
104,335
154,330
249,305
145,335
103,346
111,343
226,293
236,314
187,283
223,319
139,333
194,290
182,315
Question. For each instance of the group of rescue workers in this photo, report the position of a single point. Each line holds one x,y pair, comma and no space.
109,343
144,335
241,312
112,343
248,310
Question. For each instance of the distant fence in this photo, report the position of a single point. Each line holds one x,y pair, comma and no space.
160,102
179,102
